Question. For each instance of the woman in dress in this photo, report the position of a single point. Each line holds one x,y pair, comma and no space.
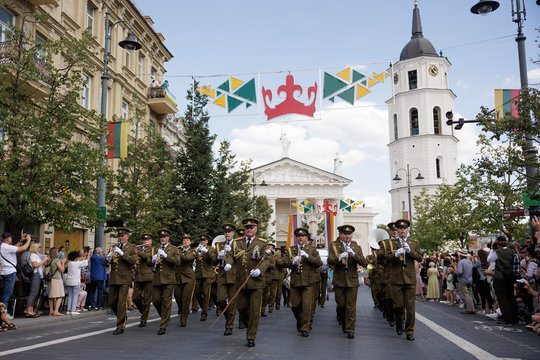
450,288
35,280
433,292
56,285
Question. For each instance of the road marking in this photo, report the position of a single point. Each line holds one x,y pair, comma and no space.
472,349
69,338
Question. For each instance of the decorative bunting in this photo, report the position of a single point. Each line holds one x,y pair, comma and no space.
349,205
349,91
304,206
232,93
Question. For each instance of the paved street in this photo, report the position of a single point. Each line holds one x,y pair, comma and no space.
441,333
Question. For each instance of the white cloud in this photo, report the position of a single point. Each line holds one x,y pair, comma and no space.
534,75
462,84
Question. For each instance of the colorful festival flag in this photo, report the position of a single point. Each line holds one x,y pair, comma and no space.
320,226
304,206
350,85
232,93
404,215
506,102
349,204
117,140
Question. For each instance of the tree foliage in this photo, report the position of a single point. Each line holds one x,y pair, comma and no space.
48,165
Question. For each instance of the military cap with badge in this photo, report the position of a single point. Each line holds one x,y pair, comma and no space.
346,229
301,232
402,224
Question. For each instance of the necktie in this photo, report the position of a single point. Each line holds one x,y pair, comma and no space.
248,241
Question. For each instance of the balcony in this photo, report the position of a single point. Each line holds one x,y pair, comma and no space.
39,86
43,2
161,101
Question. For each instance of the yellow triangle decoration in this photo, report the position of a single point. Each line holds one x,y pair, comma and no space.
379,77
371,82
207,90
361,91
220,101
235,83
345,74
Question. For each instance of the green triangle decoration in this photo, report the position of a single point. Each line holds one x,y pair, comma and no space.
218,93
347,95
357,76
364,83
331,85
248,105
331,99
225,86
247,91
233,103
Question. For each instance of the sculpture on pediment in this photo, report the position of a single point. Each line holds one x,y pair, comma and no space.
285,143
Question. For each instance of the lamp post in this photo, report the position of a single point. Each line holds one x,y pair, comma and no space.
254,184
130,43
484,7
408,179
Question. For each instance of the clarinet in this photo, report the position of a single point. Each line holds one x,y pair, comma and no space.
158,260
299,267
347,257
404,257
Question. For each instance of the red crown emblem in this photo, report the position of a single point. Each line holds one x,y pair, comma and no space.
290,105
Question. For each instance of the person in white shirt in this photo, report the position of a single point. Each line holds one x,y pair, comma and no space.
37,262
8,256
72,280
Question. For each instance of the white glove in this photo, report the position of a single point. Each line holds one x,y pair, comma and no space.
227,248
198,248
296,260
203,250
162,253
227,267
343,255
109,256
399,252
304,254
154,258
406,247
221,254
255,273
350,251
268,252
118,251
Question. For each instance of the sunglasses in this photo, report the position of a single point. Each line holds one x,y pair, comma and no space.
227,231
250,227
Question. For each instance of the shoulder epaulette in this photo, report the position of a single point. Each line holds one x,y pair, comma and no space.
262,239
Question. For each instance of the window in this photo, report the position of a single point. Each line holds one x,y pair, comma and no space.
403,205
41,53
6,22
85,92
413,80
140,67
438,167
153,73
437,121
90,18
395,127
128,58
125,110
413,115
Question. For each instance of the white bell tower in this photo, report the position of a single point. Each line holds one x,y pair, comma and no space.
423,149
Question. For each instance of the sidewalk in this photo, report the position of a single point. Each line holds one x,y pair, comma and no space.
23,322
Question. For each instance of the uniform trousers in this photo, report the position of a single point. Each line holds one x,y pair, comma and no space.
118,295
346,306
301,305
266,296
323,287
203,287
162,299
249,309
273,296
226,292
404,297
183,293
142,297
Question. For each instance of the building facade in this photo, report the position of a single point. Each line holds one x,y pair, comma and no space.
131,73
423,149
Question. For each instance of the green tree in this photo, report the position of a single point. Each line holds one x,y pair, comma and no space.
194,169
49,162
143,184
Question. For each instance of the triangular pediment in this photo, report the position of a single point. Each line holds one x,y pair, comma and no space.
287,171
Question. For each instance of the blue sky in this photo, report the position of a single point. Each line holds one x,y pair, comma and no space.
249,37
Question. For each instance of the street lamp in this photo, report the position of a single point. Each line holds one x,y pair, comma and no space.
518,16
408,178
254,184
130,43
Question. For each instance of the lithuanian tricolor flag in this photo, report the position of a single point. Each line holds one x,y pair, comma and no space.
117,140
506,101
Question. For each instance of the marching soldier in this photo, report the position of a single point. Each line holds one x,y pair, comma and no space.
142,290
277,280
204,274
323,285
373,273
121,259
250,259
344,257
268,276
387,301
185,279
304,260
226,278
240,231
164,262
402,277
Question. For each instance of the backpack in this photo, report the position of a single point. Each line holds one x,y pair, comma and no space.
26,265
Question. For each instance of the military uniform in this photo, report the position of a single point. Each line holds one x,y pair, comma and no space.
304,271
164,281
185,281
268,276
251,262
277,281
345,279
204,276
226,284
121,260
402,279
374,278
142,289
